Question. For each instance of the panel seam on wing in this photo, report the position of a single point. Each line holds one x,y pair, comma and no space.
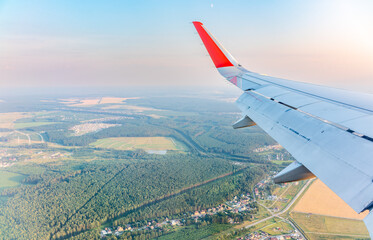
310,94
337,125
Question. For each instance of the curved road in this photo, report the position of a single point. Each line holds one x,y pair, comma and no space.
28,136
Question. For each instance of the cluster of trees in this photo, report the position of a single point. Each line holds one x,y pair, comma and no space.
65,200
201,198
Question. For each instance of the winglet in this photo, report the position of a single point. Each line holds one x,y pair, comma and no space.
218,54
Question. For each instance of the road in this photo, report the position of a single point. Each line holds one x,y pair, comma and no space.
41,137
296,197
28,136
283,211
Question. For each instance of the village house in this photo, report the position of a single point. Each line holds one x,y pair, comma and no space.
120,229
175,222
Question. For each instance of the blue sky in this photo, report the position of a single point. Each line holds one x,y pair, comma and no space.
120,43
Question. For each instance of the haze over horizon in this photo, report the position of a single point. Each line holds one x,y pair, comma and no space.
93,43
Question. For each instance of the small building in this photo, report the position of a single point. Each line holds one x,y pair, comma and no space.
175,222
120,229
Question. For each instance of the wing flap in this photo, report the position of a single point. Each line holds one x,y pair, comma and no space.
322,148
328,130
294,172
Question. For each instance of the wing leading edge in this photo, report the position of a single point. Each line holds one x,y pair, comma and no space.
328,131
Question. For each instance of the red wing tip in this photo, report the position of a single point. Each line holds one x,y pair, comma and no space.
196,22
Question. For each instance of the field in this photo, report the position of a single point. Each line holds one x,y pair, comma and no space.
285,195
20,125
114,100
319,199
86,102
7,119
9,179
280,162
324,227
277,228
131,143
131,108
75,102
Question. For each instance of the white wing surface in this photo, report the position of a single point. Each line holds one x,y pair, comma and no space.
328,131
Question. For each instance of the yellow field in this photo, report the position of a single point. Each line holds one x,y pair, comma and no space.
324,227
76,102
319,199
132,108
86,102
131,143
114,99
7,119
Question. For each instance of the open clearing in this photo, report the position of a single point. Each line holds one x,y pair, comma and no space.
85,102
7,119
115,99
280,227
131,143
324,227
285,194
20,125
9,179
281,162
132,108
319,199
21,141
76,102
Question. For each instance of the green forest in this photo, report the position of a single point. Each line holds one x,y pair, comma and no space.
90,188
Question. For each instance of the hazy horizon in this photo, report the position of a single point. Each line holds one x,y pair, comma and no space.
148,43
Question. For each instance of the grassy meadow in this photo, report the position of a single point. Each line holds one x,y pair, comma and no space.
10,179
323,227
132,143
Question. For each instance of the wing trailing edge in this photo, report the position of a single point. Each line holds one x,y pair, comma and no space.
328,131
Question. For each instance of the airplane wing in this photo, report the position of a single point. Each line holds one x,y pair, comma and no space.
328,131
